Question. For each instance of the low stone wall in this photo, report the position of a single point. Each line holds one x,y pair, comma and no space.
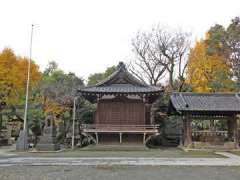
208,145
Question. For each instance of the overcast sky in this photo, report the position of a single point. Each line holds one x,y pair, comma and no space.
86,36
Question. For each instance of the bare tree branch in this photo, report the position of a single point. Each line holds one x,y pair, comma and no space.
160,51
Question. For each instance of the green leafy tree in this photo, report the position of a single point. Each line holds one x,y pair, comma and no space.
97,77
58,89
233,41
222,82
225,42
216,41
13,77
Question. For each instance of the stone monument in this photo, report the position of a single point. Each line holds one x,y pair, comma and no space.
22,141
48,141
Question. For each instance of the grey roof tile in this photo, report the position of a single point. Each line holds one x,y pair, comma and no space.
206,101
122,88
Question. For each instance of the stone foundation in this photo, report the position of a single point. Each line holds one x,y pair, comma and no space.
48,141
208,145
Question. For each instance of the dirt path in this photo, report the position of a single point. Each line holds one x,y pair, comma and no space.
231,160
119,173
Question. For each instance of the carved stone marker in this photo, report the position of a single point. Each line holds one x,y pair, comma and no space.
48,141
22,141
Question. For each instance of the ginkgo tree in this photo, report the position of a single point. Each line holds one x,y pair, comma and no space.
13,76
208,72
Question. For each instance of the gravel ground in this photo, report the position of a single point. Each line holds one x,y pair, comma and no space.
119,173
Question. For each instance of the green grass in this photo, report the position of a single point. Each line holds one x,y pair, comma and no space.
236,152
122,151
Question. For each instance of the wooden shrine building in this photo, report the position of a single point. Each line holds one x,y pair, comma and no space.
123,106
207,108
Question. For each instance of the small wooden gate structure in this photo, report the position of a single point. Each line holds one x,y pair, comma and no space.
207,106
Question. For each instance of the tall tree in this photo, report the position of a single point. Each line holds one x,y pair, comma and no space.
226,43
233,42
160,50
216,42
13,76
97,77
207,73
58,89
51,68
145,66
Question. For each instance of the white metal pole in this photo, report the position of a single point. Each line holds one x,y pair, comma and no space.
73,123
28,79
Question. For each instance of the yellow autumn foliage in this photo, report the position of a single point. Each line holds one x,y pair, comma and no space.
203,68
51,106
13,75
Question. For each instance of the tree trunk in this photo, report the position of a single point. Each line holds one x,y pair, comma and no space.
171,70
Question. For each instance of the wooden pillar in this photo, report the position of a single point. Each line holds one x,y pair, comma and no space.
230,124
96,134
235,131
212,128
181,131
144,138
120,138
187,131
148,117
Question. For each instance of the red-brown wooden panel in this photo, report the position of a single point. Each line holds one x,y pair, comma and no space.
126,112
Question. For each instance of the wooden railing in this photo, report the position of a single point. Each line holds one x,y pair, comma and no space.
119,128
213,137
210,133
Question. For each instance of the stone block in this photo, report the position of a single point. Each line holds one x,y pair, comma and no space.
22,141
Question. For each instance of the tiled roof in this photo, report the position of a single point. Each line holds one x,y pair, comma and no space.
121,88
121,81
122,75
206,102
